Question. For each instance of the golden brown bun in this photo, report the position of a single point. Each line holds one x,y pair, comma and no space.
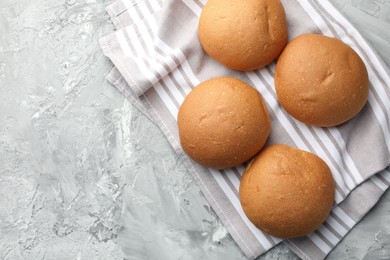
223,122
320,80
243,34
287,192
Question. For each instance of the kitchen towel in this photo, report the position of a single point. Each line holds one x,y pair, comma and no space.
158,60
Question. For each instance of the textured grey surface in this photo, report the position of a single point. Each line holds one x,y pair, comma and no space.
84,175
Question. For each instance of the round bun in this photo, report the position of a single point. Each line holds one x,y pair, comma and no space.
245,34
320,80
287,192
223,122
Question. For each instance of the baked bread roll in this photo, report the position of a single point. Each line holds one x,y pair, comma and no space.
320,80
223,122
287,192
245,34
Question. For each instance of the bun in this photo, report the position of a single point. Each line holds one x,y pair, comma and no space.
320,80
287,192
243,35
223,122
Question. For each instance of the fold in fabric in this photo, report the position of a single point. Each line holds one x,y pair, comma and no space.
158,60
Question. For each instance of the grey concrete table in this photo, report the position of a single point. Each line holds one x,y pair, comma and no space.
84,175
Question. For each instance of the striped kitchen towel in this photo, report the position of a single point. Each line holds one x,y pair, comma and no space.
158,60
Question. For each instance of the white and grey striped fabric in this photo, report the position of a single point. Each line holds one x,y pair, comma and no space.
158,60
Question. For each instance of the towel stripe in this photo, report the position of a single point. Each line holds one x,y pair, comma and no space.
319,242
193,6
378,182
335,224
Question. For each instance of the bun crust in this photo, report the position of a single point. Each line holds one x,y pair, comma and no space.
223,122
320,80
287,192
243,35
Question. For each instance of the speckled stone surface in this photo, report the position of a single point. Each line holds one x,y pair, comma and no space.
84,175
